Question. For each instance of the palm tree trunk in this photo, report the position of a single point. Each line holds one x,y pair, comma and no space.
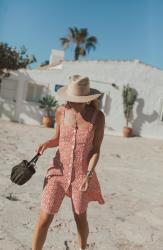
76,53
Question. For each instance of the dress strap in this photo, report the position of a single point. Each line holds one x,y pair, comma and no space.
62,114
94,116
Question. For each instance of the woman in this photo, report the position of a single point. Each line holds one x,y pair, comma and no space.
79,134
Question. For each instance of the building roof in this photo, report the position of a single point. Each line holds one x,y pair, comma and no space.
58,65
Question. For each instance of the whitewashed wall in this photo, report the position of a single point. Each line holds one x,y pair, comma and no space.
16,99
7,110
147,80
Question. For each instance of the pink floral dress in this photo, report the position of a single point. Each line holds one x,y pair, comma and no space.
67,169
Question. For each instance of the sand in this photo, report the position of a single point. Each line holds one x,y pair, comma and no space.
130,172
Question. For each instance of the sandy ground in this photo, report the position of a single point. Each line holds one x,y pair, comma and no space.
130,172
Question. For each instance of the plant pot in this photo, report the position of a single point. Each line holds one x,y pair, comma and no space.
127,132
47,121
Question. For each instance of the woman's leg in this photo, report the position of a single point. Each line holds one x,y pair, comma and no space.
41,229
82,227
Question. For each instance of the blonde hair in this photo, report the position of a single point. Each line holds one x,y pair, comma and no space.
94,103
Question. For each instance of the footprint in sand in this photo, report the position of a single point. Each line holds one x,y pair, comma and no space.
122,219
12,197
66,244
91,246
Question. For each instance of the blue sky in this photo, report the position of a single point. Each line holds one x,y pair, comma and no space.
126,29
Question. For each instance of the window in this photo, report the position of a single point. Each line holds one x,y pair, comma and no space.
8,89
57,86
34,92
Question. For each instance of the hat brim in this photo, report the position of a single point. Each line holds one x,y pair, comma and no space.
62,94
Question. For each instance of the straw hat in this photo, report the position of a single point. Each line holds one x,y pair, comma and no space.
78,90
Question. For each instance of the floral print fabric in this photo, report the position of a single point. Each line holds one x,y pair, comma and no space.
67,169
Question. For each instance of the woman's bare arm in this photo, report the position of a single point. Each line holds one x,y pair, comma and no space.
95,153
54,141
98,137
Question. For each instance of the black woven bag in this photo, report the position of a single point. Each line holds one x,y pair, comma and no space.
22,172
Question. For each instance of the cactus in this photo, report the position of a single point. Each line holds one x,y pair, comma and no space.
129,97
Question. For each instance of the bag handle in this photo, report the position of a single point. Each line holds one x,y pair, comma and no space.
34,159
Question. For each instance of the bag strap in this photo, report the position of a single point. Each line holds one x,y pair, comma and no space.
34,159
62,114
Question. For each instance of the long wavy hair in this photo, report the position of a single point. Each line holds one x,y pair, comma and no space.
94,103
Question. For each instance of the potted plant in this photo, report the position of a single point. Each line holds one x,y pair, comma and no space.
129,97
49,104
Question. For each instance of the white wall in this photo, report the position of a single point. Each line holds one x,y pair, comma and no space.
147,80
7,109
15,90
30,113
8,89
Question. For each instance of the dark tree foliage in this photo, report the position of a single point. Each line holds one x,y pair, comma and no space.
13,59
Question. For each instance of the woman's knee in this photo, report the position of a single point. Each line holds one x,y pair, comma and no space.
80,218
45,219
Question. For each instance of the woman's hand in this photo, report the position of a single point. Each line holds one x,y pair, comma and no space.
85,183
41,148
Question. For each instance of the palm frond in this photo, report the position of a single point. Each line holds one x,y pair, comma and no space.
76,30
89,46
90,43
83,33
65,42
81,39
71,34
92,39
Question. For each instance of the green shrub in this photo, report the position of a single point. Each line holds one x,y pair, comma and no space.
129,97
49,104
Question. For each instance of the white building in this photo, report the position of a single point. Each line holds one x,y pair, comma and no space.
20,92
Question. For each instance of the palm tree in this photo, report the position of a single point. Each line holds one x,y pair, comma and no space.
81,39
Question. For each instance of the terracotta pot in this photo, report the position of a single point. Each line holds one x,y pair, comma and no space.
127,132
47,121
